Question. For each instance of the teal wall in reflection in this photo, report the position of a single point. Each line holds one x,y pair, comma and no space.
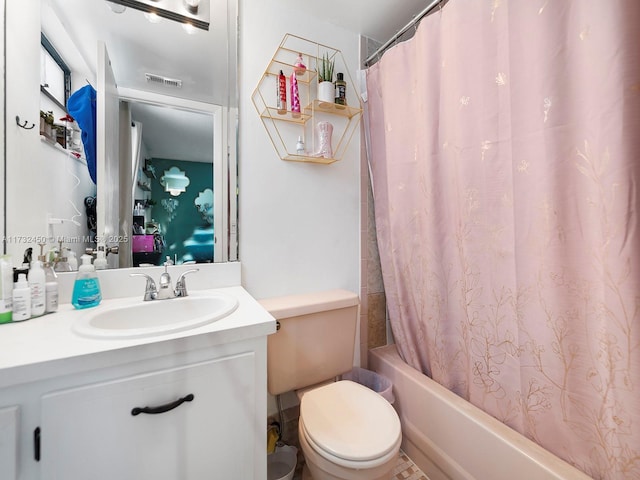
178,222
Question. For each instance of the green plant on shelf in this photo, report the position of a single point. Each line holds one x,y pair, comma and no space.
325,68
47,117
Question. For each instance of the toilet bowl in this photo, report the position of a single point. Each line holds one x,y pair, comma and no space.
348,432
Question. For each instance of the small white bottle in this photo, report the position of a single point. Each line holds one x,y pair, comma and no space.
21,299
36,283
51,289
6,281
300,146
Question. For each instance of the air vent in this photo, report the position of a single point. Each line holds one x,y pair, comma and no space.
160,80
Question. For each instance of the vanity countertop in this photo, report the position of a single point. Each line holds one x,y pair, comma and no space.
46,346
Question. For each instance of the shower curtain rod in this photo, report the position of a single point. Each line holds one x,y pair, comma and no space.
416,19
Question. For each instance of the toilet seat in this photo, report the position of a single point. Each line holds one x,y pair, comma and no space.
350,425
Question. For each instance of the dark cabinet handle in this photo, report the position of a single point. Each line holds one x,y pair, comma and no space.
162,408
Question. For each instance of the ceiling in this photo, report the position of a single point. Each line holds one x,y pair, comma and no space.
377,19
176,134
137,47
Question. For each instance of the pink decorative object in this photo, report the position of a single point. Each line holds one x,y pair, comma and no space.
142,243
295,97
299,68
324,131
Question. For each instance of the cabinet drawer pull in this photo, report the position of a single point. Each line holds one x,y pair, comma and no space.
162,408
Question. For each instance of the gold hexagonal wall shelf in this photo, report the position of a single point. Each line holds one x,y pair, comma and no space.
284,126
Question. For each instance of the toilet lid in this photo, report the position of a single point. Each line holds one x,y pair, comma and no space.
350,421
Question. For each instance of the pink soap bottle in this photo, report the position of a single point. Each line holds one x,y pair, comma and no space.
295,97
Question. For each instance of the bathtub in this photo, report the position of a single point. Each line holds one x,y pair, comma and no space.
449,438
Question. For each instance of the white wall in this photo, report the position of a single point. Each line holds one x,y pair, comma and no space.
299,223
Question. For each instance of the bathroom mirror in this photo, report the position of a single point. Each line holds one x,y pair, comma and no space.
164,73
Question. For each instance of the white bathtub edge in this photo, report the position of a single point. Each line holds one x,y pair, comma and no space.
460,441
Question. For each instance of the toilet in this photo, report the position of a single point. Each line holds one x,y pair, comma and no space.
346,430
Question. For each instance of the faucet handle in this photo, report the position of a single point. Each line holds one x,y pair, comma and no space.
181,284
150,290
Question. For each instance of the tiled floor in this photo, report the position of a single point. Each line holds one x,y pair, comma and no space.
407,470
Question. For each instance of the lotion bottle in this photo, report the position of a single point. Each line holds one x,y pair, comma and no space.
50,288
6,289
86,289
21,299
282,94
37,286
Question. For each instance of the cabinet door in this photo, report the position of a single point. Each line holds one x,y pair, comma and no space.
90,432
8,443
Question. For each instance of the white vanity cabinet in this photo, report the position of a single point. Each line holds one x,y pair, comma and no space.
186,405
9,442
203,428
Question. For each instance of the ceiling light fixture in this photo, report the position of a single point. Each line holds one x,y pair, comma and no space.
152,17
194,12
190,29
192,6
116,8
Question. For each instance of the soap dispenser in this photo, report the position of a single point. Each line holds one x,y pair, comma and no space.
86,289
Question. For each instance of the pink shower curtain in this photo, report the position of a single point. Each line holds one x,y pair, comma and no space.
505,142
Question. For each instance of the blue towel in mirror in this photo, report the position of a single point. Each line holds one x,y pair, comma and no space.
82,107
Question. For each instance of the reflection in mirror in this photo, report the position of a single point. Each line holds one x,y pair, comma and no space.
174,181
171,86
204,204
174,167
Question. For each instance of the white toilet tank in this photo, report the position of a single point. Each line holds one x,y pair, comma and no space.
315,340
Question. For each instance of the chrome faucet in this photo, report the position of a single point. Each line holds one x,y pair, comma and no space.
150,290
166,290
181,284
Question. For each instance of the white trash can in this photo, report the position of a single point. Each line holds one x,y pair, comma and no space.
376,382
281,464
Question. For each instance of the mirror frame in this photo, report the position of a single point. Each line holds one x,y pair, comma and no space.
221,214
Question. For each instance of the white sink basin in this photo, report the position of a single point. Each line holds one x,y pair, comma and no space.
155,317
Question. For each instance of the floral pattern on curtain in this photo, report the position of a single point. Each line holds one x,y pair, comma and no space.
505,160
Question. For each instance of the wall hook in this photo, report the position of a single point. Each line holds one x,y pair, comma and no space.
24,124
